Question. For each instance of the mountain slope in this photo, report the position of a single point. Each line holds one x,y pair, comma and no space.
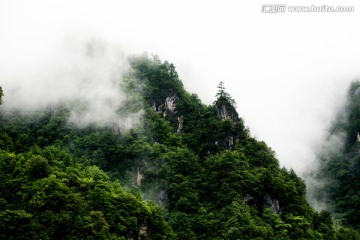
198,162
339,171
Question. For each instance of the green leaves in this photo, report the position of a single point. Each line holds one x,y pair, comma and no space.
339,168
199,163
17,224
69,201
37,167
222,96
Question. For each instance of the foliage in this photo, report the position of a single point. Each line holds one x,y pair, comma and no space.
208,178
340,164
45,194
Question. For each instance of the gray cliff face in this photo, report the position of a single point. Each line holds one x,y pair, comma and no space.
269,202
170,103
223,113
180,124
273,204
139,178
167,108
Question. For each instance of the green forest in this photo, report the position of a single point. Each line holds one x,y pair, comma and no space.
186,171
339,172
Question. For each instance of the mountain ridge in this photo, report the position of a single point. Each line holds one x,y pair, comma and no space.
197,162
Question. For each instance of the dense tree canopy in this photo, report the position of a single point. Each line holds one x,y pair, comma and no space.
46,194
203,176
340,163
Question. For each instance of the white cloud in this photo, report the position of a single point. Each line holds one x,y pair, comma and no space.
288,72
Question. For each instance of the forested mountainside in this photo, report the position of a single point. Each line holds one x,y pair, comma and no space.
186,171
338,176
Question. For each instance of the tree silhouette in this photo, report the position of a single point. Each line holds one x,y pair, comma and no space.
1,95
222,96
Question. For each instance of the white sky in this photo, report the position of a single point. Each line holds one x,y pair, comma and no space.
288,72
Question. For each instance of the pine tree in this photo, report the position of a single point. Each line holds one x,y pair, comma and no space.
225,105
222,96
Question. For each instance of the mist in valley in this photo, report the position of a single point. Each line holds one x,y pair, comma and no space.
288,85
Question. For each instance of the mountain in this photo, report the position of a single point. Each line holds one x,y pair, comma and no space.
338,176
185,171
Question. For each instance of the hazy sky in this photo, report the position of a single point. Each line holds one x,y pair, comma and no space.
288,72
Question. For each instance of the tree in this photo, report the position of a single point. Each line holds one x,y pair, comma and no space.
339,168
212,180
53,198
222,95
225,105
1,95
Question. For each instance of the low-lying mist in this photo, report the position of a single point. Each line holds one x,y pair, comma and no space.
336,155
316,182
87,75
